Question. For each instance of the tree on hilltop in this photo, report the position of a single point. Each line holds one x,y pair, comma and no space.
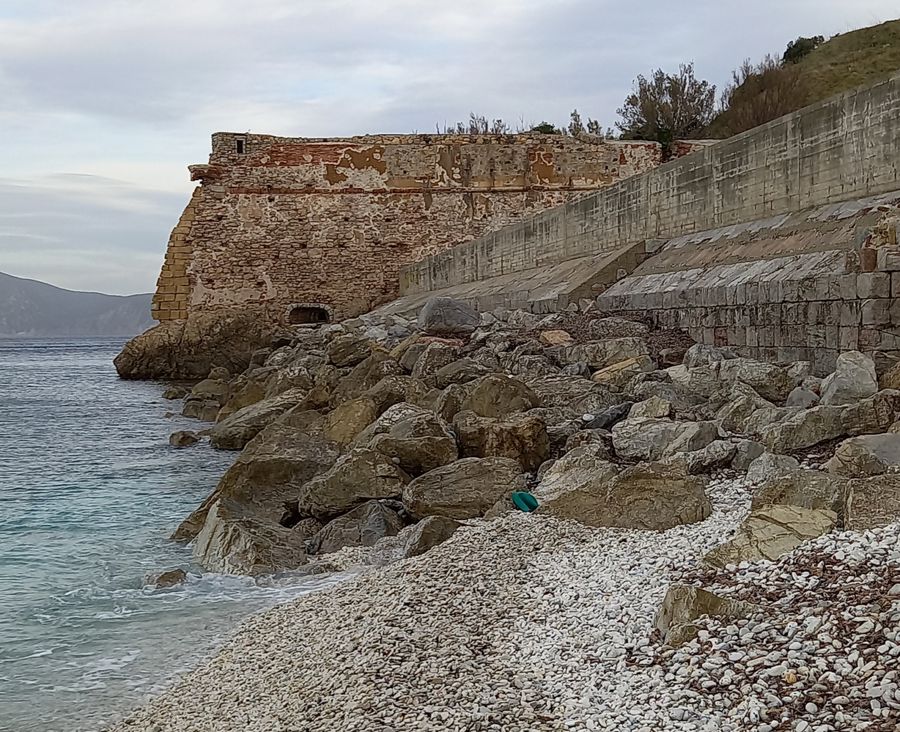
667,107
799,48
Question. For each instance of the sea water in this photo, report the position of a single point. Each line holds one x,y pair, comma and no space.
90,491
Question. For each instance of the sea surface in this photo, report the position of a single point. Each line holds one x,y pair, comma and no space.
89,492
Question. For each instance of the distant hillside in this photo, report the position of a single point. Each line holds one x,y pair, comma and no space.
844,62
36,309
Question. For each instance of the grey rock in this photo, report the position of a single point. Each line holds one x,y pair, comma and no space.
683,604
497,395
865,455
701,354
650,439
363,526
599,354
746,451
854,378
183,438
768,466
447,316
426,534
801,397
348,349
242,426
872,503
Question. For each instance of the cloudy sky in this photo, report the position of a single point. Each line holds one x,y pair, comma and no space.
105,102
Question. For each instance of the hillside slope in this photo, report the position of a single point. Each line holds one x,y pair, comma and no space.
36,309
846,61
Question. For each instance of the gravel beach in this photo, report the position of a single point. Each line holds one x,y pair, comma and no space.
522,623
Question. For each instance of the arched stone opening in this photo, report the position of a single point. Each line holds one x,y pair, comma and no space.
308,313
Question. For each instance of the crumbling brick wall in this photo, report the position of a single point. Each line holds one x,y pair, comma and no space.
328,223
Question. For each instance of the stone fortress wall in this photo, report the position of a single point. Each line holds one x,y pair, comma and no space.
320,228
763,241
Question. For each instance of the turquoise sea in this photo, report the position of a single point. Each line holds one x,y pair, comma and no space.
89,492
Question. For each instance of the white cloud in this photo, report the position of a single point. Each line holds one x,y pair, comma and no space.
131,89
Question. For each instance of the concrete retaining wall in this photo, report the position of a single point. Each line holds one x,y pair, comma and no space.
844,148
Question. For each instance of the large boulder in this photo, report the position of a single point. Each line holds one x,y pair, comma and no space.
458,372
805,489
419,442
804,429
245,424
426,534
865,455
769,466
347,420
654,406
447,316
348,349
647,438
575,485
717,454
601,329
854,378
701,354
768,380
434,356
770,532
649,496
359,476
684,603
497,395
189,349
741,404
363,526
619,375
871,503
238,526
464,489
599,354
366,374
522,437
576,394
398,388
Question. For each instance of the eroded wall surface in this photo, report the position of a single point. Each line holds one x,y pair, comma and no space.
328,223
841,149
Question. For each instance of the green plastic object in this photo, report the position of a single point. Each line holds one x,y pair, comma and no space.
524,501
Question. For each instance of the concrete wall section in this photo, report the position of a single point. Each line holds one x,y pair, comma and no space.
844,148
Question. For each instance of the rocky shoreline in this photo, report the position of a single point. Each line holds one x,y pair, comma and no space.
710,535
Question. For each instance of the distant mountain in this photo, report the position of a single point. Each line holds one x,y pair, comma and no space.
35,309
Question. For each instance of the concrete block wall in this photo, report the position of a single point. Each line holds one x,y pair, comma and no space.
844,148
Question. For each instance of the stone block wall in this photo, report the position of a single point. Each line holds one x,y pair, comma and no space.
282,224
844,148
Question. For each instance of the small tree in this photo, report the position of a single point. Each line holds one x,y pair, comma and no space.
545,128
578,127
799,48
759,93
477,124
667,107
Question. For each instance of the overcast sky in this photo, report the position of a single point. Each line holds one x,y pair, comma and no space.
105,102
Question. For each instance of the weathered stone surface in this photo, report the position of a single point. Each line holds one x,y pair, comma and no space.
872,502
717,454
426,534
458,372
237,527
189,349
853,379
768,380
446,316
366,374
742,403
292,376
242,426
183,438
497,395
556,338
804,489
450,401
655,407
771,532
600,442
651,439
464,489
361,475
347,420
363,526
575,485
419,442
890,379
175,391
746,451
169,578
768,466
683,604
348,349
575,393
243,395
619,374
433,358
599,354
701,354
522,437
398,388
866,455
805,429
801,397
873,415
649,496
